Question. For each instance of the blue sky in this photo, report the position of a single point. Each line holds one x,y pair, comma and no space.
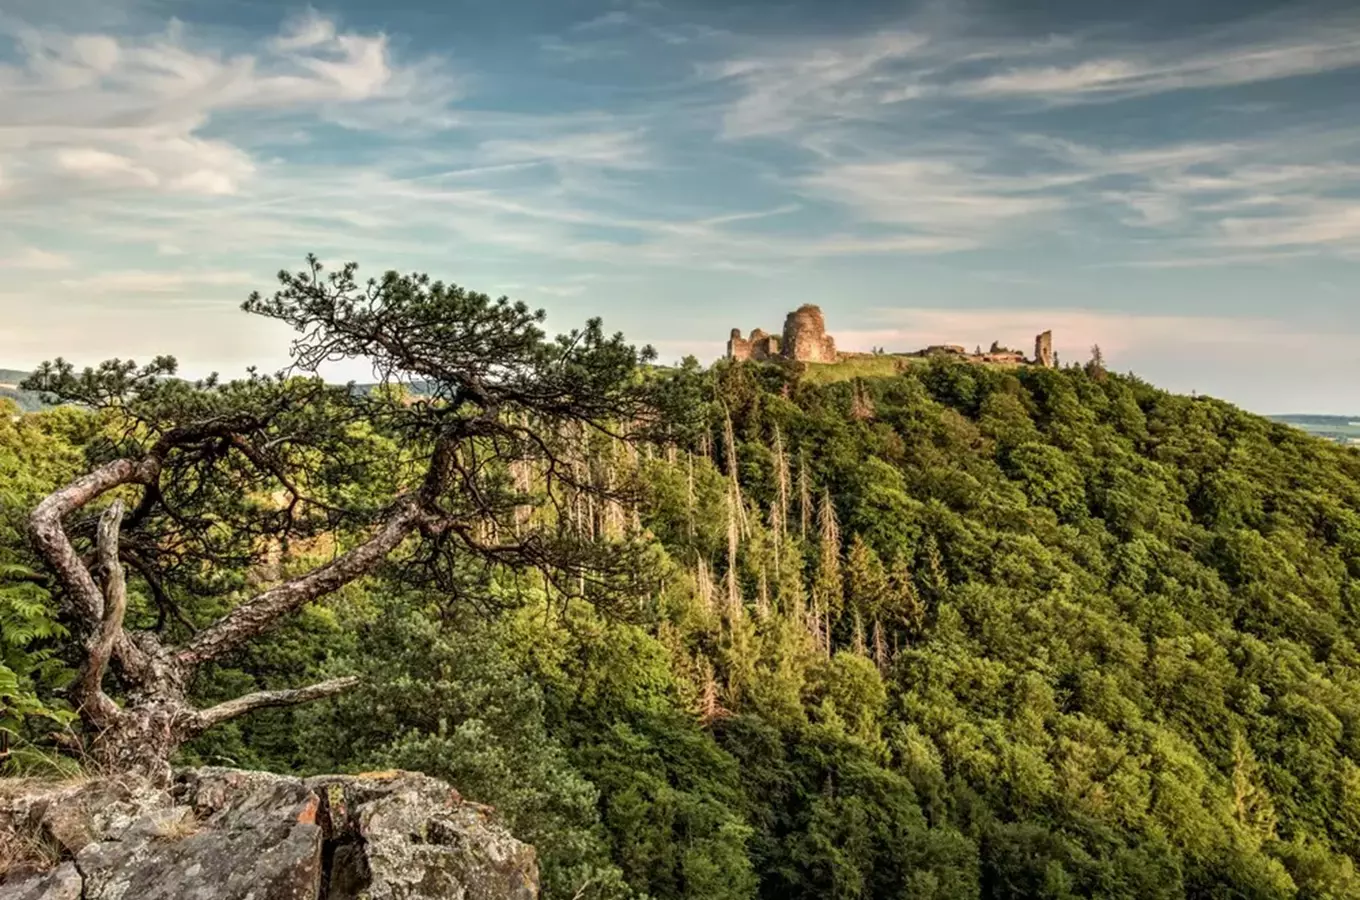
1178,182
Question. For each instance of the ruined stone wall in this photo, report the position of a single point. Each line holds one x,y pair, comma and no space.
737,346
758,346
1043,350
805,340
764,346
805,337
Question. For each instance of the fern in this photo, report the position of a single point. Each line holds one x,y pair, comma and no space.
30,670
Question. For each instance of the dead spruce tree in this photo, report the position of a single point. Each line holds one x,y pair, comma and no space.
198,480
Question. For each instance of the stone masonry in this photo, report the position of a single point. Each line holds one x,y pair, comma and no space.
804,340
759,346
1043,350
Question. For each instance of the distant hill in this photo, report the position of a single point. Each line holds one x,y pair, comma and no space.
1342,429
28,401
31,401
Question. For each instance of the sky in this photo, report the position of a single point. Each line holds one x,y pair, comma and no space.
1177,182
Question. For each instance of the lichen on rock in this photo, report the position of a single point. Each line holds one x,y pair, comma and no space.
226,834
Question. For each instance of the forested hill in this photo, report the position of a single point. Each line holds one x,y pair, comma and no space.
27,401
959,632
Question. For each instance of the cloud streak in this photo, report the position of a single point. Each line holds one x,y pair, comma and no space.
639,152
38,260
1113,78
128,112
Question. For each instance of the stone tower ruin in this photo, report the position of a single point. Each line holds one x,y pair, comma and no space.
1043,350
805,337
805,340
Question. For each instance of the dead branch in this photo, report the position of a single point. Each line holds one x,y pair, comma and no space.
231,709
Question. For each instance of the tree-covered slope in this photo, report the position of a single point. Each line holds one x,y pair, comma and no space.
1124,622
957,632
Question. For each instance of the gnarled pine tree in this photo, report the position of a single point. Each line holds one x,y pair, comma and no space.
215,475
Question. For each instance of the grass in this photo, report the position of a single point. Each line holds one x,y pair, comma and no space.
855,367
22,854
874,366
175,824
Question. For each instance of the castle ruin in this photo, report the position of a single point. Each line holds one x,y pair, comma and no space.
805,340
1043,350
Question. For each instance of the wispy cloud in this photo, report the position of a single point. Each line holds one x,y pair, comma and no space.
788,88
129,111
37,259
145,282
938,197
1316,223
1209,260
881,116
623,34
652,145
609,149
809,84
1175,68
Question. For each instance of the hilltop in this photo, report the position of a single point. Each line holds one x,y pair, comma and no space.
954,631
805,341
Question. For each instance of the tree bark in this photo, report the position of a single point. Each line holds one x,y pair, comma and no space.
88,690
141,739
49,536
155,718
258,615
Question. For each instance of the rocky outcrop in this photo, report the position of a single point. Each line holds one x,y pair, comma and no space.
226,834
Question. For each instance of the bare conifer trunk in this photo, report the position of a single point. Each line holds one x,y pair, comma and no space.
156,717
689,492
730,450
781,464
777,533
804,497
703,582
733,541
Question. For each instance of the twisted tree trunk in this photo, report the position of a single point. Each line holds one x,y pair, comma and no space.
155,717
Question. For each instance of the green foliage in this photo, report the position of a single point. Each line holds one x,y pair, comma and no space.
35,451
1050,634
